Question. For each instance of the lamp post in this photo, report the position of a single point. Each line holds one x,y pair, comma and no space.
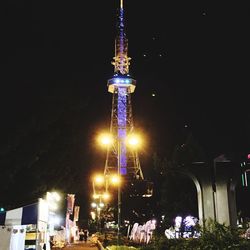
98,207
100,194
119,143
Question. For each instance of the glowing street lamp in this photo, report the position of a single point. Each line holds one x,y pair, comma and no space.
115,180
105,139
99,180
98,207
132,141
106,196
95,196
93,204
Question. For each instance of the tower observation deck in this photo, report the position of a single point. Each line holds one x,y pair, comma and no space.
121,158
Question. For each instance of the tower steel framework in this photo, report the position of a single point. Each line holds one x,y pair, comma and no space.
122,85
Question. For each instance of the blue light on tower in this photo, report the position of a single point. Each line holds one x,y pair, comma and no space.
121,85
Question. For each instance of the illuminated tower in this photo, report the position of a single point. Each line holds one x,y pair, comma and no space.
121,85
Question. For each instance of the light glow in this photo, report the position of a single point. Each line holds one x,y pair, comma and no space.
93,204
106,196
99,179
96,196
178,221
56,196
115,179
122,81
53,206
105,139
52,198
133,140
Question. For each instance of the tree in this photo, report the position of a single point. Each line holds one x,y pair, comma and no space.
176,194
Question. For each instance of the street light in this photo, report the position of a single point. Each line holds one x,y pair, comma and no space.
105,139
106,196
132,141
101,193
98,206
115,179
99,180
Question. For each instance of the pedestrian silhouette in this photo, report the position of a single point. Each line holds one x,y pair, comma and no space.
85,235
81,235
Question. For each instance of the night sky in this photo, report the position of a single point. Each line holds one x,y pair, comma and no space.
56,59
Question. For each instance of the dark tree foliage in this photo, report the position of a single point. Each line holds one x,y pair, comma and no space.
47,150
176,193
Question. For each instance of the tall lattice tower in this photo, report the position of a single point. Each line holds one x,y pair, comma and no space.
121,85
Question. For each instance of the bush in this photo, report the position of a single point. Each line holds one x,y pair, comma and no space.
214,236
121,248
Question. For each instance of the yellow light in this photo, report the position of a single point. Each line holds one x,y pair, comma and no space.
96,196
101,204
115,179
133,140
106,196
99,179
105,139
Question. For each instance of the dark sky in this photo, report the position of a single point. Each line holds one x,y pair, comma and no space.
193,55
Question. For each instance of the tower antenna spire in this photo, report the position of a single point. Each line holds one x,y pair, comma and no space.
121,60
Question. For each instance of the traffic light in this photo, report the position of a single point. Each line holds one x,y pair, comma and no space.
2,209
